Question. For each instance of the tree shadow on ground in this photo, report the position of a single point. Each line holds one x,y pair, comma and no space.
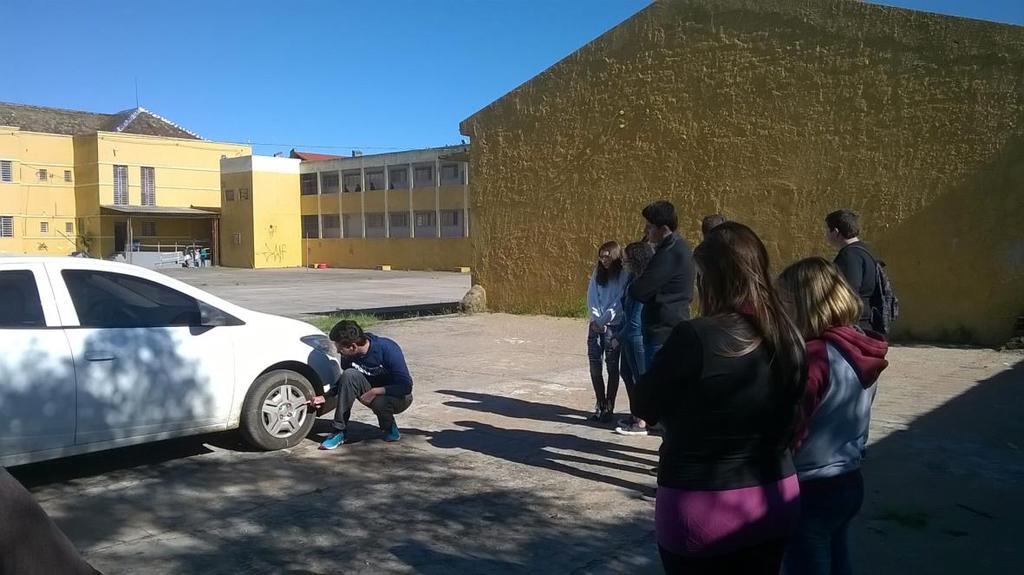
371,507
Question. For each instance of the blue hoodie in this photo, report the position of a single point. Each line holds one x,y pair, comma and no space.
383,365
605,301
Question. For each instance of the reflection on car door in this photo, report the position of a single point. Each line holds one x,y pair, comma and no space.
37,376
145,364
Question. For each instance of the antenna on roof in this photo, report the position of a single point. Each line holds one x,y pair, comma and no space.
136,91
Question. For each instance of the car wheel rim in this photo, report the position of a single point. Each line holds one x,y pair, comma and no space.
284,411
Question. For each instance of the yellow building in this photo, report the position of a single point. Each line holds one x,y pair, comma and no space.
72,180
408,210
773,113
260,215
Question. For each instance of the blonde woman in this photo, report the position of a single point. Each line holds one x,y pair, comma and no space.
843,365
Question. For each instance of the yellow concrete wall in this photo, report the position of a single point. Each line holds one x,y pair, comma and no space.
399,253
87,199
398,201
774,113
236,217
374,201
424,199
187,172
32,202
277,222
452,198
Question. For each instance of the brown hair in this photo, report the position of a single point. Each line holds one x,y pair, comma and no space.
818,297
734,286
601,274
640,254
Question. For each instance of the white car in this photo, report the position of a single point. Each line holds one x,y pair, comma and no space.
97,354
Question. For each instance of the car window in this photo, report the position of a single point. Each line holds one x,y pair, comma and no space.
20,306
111,300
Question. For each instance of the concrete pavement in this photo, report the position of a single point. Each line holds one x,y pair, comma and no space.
301,291
498,472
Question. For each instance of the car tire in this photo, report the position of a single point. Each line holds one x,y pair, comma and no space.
275,414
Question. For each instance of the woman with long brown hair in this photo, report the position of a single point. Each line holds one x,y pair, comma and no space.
604,300
726,387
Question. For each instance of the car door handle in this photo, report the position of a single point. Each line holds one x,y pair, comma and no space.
100,356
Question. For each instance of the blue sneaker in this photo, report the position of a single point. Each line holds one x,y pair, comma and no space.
333,441
393,434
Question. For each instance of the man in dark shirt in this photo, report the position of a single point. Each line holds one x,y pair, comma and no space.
666,286
854,260
374,373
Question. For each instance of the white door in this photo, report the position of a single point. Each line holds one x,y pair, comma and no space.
147,362
37,375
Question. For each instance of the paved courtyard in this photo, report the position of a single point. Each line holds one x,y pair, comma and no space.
301,291
498,472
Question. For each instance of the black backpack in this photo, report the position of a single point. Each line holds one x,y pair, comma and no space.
885,306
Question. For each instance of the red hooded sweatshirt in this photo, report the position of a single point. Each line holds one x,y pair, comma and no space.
843,366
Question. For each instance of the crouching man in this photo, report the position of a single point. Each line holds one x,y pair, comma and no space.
374,373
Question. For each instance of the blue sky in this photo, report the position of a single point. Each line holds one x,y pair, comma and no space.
318,75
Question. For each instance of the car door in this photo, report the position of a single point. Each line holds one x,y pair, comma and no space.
147,363
37,374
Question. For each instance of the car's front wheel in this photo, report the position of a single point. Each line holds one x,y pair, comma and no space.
276,413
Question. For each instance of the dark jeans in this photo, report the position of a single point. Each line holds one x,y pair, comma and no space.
764,558
819,546
599,351
631,365
353,384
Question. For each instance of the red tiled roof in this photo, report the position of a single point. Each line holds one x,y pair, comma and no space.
310,156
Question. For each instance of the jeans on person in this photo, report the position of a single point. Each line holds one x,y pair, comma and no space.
650,349
600,353
351,385
820,544
631,364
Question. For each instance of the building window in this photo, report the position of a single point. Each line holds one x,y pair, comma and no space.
6,226
120,185
69,228
307,184
310,227
399,221
42,175
398,178
148,176
243,194
375,180
426,224
353,225
424,176
425,219
329,182
332,225
6,172
375,226
450,174
352,182
451,224
229,195
44,227
67,175
450,217
149,229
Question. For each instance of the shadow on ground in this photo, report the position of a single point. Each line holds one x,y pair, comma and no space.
948,487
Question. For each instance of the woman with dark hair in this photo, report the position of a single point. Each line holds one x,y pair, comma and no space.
628,336
727,389
604,295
